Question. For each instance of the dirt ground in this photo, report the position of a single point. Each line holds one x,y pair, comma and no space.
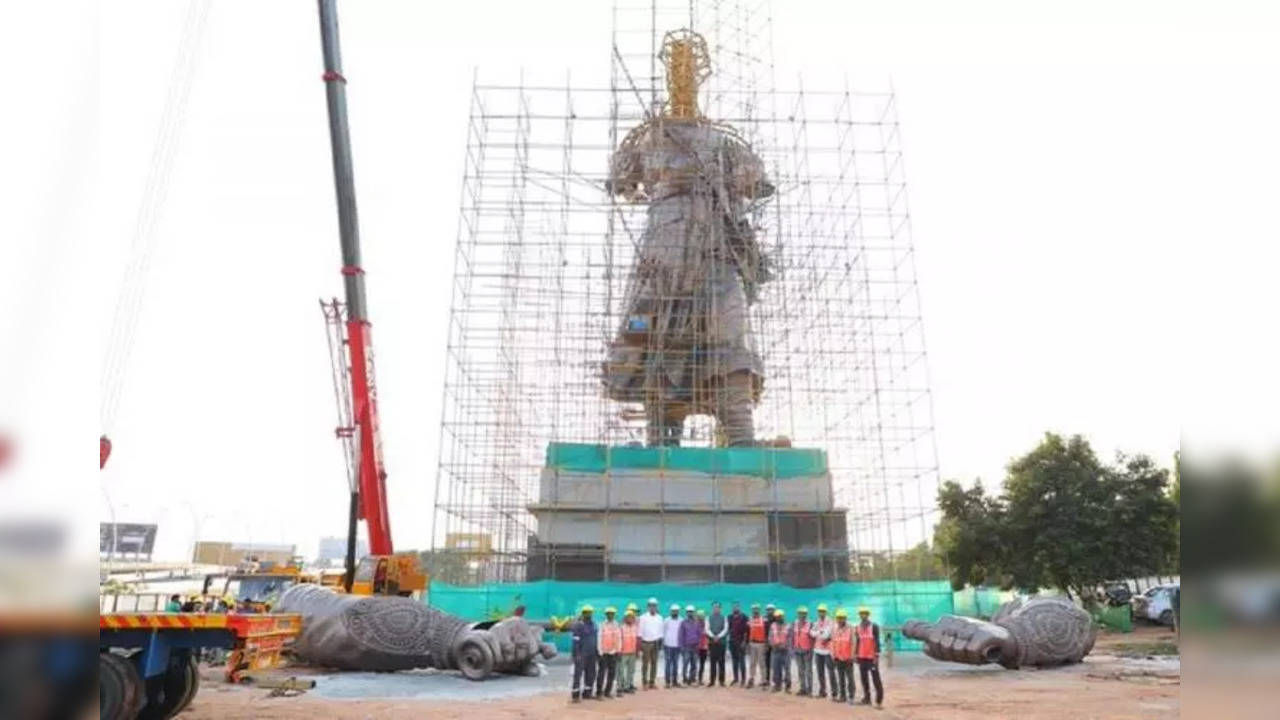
1106,686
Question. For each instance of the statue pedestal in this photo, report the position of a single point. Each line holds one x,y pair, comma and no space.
687,515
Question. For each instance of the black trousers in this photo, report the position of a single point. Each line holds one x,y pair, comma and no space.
717,662
584,675
608,670
768,662
843,680
702,663
824,669
870,668
738,658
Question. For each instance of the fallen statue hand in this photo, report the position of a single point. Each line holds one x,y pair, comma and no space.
1039,631
511,646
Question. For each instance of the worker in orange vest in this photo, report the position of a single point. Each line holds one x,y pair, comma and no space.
609,644
755,645
803,650
842,689
867,652
630,650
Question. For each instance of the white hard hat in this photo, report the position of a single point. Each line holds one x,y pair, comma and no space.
690,608
653,601
675,606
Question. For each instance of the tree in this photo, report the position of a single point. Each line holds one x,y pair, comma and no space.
968,538
447,566
1064,519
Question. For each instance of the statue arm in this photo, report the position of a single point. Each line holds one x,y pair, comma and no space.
626,167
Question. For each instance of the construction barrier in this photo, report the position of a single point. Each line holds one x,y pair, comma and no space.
891,602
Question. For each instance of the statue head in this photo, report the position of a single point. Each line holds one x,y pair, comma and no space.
687,61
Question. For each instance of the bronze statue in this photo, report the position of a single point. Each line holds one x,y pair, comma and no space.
1038,631
352,632
685,346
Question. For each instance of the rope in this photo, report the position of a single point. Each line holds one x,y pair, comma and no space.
124,323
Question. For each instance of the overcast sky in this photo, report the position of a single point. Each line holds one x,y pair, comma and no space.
1093,192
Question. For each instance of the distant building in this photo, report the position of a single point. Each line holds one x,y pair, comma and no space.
233,553
333,551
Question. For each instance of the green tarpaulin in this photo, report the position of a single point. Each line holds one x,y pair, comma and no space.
773,463
890,602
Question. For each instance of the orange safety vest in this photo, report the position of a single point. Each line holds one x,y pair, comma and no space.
610,638
778,635
803,641
756,627
866,642
842,642
630,638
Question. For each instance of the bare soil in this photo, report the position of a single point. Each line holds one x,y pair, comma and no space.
1105,686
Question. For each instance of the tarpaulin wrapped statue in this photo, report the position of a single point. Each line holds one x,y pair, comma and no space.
685,346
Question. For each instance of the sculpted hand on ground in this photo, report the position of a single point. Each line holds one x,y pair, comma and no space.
1038,631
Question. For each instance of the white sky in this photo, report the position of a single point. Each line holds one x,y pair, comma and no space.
1093,188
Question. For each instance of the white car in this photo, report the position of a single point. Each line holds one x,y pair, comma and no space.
1156,604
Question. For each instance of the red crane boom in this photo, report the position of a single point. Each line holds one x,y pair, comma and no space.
368,497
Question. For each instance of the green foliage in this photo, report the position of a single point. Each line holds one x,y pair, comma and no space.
448,566
917,563
1063,520
969,536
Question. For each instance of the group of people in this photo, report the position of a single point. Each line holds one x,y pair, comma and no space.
210,604
761,646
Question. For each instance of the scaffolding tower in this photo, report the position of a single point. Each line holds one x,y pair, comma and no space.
546,265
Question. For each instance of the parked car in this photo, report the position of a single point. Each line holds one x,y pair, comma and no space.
1157,604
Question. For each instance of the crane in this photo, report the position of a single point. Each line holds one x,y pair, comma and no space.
350,339
351,353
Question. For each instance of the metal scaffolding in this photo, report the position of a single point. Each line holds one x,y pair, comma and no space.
546,268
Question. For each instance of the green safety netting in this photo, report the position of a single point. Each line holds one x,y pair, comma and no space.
774,463
891,602
981,602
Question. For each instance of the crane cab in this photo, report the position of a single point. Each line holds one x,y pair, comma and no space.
398,574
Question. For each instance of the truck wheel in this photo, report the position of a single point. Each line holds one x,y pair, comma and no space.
172,691
193,684
120,688
1166,618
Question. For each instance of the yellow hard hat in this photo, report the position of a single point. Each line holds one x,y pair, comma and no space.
611,609
822,607
701,614
588,608
778,613
631,611
802,609
842,613
631,607
864,610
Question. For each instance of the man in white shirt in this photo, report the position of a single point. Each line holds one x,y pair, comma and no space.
650,640
820,631
671,647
